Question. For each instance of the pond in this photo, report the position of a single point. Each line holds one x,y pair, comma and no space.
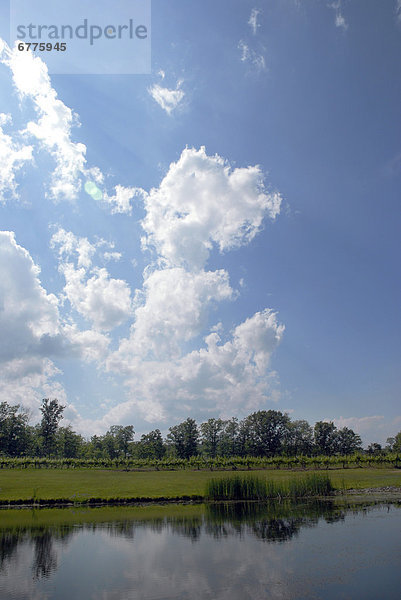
328,550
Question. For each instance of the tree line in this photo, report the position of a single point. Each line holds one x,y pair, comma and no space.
265,433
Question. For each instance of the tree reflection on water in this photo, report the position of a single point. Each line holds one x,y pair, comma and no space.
270,522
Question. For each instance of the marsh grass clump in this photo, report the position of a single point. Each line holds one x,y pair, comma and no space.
249,487
315,484
240,487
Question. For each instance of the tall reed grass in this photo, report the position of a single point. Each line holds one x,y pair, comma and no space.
249,487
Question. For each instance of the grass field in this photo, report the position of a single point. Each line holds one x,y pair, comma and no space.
82,484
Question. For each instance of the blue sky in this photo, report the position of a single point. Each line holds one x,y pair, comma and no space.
242,252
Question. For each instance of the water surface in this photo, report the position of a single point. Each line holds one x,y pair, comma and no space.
223,551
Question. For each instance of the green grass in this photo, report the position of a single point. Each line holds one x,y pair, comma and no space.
81,484
250,487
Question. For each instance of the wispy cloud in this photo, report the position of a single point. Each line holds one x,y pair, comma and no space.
250,56
339,17
167,99
253,20
50,132
53,126
120,202
398,10
375,428
340,22
13,155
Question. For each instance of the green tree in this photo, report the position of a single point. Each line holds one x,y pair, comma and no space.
264,432
348,441
374,449
121,437
52,413
211,432
14,430
95,447
390,441
299,438
36,440
228,445
325,438
109,447
397,443
69,443
243,436
151,445
184,437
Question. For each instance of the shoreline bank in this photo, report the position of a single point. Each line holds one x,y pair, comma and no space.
386,493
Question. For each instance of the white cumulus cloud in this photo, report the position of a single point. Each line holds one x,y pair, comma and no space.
90,345
27,380
121,201
224,378
28,315
175,309
104,301
33,334
101,299
203,201
29,325
70,245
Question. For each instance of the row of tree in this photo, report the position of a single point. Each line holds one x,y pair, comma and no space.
263,433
